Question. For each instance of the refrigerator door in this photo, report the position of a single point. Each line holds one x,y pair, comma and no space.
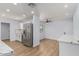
27,36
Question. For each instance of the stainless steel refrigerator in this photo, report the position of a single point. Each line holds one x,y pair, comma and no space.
27,36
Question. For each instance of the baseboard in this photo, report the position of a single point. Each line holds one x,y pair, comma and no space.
18,41
12,40
49,39
35,45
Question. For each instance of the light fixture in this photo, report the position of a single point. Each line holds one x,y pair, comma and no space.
32,12
14,3
7,10
66,6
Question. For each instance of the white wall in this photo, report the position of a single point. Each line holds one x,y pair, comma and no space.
13,26
76,24
56,29
36,31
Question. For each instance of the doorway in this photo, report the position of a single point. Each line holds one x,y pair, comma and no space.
5,31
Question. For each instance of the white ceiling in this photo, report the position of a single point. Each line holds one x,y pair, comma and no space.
57,10
46,10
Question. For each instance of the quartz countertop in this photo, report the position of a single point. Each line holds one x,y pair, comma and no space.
5,48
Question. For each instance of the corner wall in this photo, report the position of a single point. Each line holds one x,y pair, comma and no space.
76,24
55,29
36,31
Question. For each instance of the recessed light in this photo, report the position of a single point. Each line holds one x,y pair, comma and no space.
32,12
8,10
66,6
14,3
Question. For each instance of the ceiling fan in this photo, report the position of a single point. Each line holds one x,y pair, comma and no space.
32,5
47,21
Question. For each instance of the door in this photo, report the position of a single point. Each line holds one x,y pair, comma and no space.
5,31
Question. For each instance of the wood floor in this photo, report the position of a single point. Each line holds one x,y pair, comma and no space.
46,48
